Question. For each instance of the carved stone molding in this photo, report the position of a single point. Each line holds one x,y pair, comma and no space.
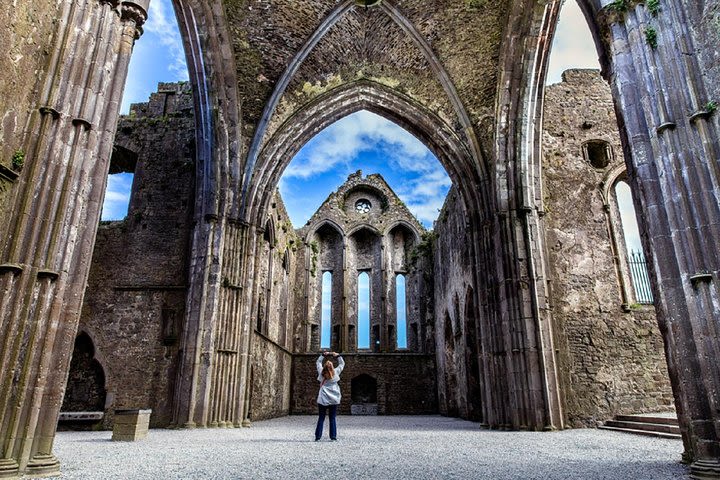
134,12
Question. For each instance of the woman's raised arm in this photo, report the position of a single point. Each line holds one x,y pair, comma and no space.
341,365
319,364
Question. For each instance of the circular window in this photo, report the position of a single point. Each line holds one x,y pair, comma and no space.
363,205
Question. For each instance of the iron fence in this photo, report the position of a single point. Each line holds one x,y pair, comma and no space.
640,278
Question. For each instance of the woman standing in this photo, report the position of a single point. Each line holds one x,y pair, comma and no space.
329,395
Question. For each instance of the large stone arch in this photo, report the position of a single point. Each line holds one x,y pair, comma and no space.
452,151
659,94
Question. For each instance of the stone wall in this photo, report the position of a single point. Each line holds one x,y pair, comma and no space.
610,348
384,241
405,382
135,300
458,372
271,361
271,379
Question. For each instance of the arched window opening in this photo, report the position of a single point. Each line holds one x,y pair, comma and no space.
120,180
86,382
364,142
573,45
326,316
266,306
451,384
363,305
637,264
286,261
401,311
472,362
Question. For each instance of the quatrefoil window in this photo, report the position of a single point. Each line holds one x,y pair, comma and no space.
363,206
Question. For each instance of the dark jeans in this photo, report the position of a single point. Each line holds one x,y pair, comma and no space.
321,421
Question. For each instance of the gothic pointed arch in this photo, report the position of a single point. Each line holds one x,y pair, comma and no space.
403,225
451,150
324,28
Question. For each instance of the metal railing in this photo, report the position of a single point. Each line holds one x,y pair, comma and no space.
640,278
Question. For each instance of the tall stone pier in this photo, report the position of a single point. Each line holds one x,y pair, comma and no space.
47,243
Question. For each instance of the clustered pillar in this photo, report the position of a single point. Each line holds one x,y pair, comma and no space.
45,258
673,140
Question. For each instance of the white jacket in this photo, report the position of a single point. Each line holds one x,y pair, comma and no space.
329,393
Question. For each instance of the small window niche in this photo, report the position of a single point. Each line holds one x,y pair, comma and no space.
598,153
119,185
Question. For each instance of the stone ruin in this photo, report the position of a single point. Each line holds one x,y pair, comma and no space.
134,301
534,321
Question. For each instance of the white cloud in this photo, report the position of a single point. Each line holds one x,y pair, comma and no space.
421,181
157,57
117,196
426,194
573,46
344,140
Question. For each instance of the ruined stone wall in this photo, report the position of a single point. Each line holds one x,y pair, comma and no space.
271,379
611,358
135,299
383,240
272,339
453,281
278,261
405,382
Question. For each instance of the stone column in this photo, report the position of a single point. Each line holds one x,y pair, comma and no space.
213,388
671,142
45,258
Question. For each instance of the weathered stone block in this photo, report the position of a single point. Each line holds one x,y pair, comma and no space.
131,425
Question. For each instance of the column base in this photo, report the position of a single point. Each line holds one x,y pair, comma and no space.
705,469
9,468
43,465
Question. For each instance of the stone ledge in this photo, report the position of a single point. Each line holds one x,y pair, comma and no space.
80,416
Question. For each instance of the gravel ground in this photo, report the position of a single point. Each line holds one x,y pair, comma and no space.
370,448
